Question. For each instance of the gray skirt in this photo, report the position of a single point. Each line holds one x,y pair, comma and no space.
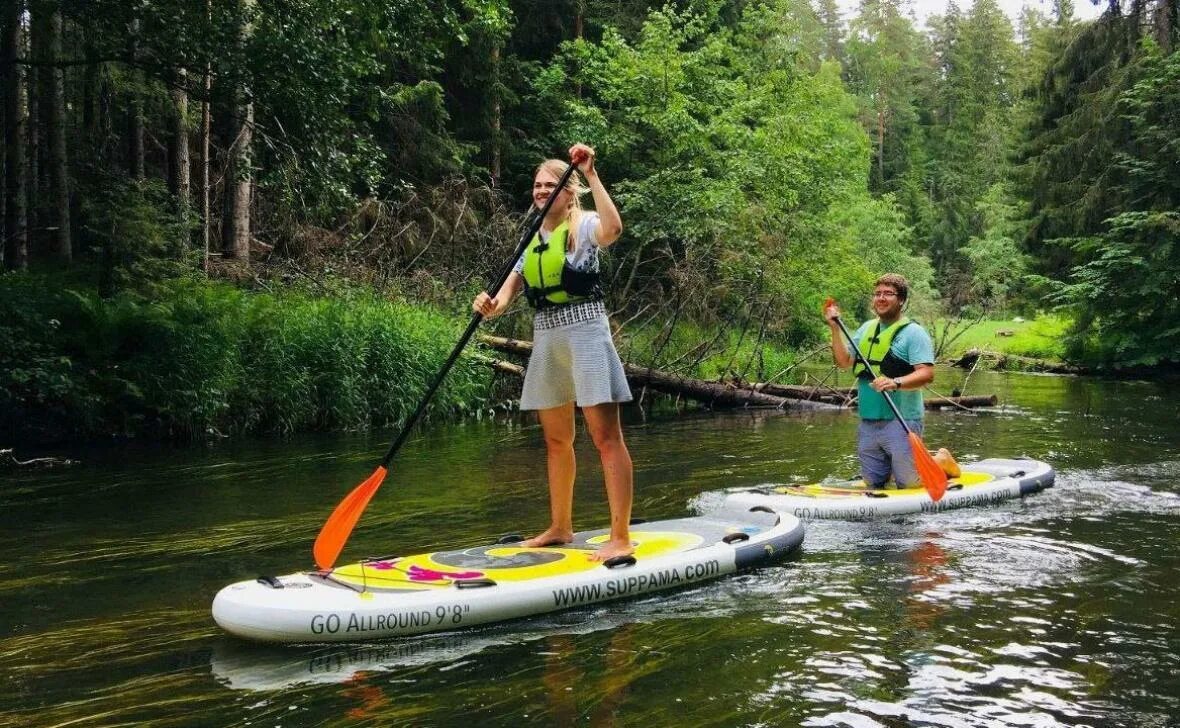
575,362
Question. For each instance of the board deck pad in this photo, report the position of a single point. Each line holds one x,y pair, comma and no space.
966,480
508,562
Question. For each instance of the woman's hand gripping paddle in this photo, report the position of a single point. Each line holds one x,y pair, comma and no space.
339,525
933,478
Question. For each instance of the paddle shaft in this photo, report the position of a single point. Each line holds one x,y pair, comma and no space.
499,280
869,368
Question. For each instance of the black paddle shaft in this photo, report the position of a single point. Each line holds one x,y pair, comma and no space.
869,369
499,280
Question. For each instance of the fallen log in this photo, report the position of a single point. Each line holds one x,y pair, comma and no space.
1013,363
723,394
846,396
966,402
8,460
797,391
504,367
714,394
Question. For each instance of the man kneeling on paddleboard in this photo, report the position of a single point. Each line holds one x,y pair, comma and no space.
901,354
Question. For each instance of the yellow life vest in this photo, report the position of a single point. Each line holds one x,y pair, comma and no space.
550,279
876,349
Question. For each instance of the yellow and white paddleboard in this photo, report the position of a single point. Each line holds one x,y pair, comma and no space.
446,590
983,483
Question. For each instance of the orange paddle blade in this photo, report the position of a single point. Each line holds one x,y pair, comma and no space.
339,525
933,478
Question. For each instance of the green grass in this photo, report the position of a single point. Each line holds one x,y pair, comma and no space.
1040,338
196,358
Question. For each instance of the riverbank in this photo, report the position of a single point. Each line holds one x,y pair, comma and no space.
198,359
192,359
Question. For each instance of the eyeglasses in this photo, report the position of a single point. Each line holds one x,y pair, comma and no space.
884,294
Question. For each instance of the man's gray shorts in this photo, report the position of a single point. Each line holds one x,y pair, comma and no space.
884,448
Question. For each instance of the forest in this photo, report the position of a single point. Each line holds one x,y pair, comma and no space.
271,215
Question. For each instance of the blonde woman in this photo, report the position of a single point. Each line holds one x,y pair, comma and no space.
574,361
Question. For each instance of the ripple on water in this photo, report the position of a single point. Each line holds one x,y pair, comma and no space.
963,691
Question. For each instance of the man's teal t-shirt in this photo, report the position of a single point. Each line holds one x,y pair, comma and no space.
912,344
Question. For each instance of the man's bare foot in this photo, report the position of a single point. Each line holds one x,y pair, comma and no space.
551,537
946,461
611,549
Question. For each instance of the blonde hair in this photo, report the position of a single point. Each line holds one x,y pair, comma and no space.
557,168
574,185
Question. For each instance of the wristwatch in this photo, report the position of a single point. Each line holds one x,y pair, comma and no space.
897,383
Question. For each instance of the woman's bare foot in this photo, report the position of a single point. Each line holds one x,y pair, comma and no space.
611,549
551,537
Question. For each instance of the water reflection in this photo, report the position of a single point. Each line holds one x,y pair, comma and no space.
584,669
928,563
946,668
569,686
241,665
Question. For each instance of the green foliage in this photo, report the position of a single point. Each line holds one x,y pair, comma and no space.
998,266
888,63
201,359
1125,287
973,133
135,225
1069,153
762,158
739,157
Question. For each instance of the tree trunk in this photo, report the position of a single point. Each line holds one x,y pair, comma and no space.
846,396
496,111
1011,362
235,224
3,155
35,84
91,90
135,133
3,136
179,162
203,174
203,145
61,248
881,148
235,229
16,223
1165,24
725,394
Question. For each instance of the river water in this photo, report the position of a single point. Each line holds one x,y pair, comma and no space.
1060,609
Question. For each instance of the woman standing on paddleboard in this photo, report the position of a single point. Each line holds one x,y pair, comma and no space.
574,361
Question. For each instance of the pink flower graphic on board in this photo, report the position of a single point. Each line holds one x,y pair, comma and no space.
417,573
